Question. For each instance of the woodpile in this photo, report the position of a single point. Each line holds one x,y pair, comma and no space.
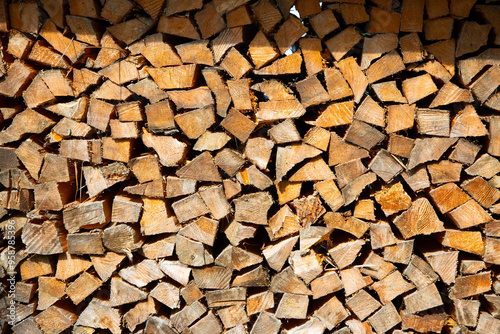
250,166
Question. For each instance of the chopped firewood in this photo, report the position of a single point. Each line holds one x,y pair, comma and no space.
226,39
374,78
469,214
239,16
354,76
84,243
284,132
433,322
194,123
419,87
400,117
266,323
448,197
482,88
324,23
353,280
388,92
349,171
481,191
267,15
388,65
485,166
412,16
311,92
471,266
210,141
311,51
465,312
240,93
70,48
341,151
258,151
381,235
400,145
376,46
364,209
292,306
467,241
376,267
274,90
57,319
467,123
24,123
487,322
289,33
467,286
190,99
450,93
236,258
124,293
226,297
385,166
420,218
423,299
49,291
156,217
433,122
436,8
331,313
345,253
445,53
417,179
352,190
203,162
235,64
444,171
363,135
363,304
335,114
428,149
472,36
276,110
336,85
184,75
438,28
383,21
178,26
385,318
238,125
493,102
344,41
411,48
288,65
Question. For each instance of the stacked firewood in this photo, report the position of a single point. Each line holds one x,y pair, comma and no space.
250,166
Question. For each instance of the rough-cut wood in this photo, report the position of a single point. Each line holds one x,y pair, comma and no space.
428,149
383,21
331,313
419,87
376,46
467,286
400,117
467,241
354,76
118,141
469,214
385,318
420,218
288,65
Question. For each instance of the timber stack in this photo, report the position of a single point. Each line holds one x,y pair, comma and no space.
250,166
